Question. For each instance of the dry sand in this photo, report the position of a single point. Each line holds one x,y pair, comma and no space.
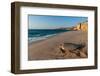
74,43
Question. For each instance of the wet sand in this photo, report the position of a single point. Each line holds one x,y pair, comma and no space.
73,42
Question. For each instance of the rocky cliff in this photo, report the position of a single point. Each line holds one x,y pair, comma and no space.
81,26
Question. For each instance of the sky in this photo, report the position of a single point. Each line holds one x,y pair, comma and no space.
52,22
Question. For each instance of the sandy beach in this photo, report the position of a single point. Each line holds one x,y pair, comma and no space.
73,42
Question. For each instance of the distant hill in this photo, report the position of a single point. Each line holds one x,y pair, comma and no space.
65,28
81,26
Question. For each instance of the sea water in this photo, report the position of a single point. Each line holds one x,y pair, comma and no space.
41,34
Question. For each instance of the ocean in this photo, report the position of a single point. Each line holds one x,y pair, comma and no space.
41,34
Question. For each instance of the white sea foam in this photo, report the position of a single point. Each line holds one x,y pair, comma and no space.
34,39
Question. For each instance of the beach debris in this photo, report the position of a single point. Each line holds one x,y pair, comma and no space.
82,54
62,48
72,48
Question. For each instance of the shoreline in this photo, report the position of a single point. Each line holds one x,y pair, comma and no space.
33,42
48,49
